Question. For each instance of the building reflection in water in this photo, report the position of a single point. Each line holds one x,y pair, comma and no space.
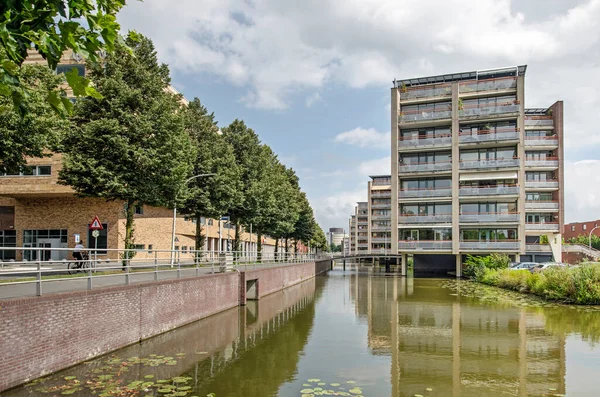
457,346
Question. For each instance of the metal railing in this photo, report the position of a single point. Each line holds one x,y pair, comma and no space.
381,227
442,218
582,249
548,184
537,248
482,217
485,110
381,205
489,245
542,226
381,217
435,141
541,205
497,84
539,121
426,167
381,240
40,275
382,194
541,140
488,136
423,115
488,191
492,163
547,162
427,91
423,193
425,245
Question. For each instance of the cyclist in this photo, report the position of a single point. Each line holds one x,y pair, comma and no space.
78,251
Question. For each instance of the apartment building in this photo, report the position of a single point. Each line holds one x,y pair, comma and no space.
380,207
362,227
352,236
37,212
473,170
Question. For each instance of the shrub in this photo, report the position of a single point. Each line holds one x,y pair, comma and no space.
515,280
475,266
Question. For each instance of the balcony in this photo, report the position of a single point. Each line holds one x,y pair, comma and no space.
546,226
512,245
547,184
426,167
437,141
491,85
381,206
381,227
424,193
538,248
412,116
382,194
489,191
489,136
488,217
426,91
538,121
383,240
489,110
551,162
537,141
381,217
425,245
362,246
541,205
408,219
486,164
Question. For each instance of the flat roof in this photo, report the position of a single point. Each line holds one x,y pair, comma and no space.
475,75
537,111
379,176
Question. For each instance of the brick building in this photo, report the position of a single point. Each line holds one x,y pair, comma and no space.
581,228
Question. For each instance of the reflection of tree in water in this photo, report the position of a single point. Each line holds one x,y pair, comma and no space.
562,321
264,365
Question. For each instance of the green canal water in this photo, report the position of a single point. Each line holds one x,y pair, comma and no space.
356,333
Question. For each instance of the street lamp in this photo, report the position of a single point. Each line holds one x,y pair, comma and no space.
590,236
175,214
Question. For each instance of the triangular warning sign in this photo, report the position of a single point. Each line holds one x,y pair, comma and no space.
96,224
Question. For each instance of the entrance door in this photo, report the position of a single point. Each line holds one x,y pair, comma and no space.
50,253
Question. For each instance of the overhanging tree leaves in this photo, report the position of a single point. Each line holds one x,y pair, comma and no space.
130,145
215,195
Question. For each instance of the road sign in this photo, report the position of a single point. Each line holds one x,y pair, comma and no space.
225,218
95,233
96,224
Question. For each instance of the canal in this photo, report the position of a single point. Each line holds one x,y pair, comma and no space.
356,333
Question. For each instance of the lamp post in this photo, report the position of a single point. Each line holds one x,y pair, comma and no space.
175,214
590,236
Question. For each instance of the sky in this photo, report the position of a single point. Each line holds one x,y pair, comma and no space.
313,77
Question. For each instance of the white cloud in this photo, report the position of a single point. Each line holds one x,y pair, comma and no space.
582,190
362,137
375,167
312,99
335,210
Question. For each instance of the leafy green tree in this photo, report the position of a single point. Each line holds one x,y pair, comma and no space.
319,241
215,195
130,145
304,229
51,27
584,239
40,129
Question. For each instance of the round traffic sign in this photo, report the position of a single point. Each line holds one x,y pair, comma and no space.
95,233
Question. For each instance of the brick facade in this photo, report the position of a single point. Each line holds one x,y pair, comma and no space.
581,228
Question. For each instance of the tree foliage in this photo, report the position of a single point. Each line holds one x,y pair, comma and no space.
584,239
130,145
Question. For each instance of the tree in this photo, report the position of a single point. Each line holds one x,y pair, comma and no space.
584,239
215,195
304,229
319,241
130,145
40,129
51,27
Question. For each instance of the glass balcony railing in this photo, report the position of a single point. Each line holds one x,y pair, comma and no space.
437,141
551,226
541,141
425,245
489,245
381,240
488,136
539,121
381,205
541,205
382,193
380,217
442,218
491,85
424,193
547,184
381,227
538,248
485,110
541,162
486,217
426,167
488,191
382,182
426,91
423,115
492,163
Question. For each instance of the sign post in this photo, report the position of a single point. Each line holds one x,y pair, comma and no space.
95,227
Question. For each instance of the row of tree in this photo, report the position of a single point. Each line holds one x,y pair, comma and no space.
139,142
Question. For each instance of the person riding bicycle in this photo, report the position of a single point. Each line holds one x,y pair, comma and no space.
78,251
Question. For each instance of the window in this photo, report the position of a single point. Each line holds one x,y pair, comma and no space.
573,228
30,170
102,239
184,249
584,227
139,247
150,248
64,68
139,209
210,222
8,238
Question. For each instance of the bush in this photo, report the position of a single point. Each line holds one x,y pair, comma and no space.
476,266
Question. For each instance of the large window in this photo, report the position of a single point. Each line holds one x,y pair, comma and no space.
30,170
426,234
488,208
488,235
64,68
539,176
423,133
426,209
428,107
426,157
8,238
490,101
102,239
488,154
536,196
489,127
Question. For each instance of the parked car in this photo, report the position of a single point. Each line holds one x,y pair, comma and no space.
524,266
547,265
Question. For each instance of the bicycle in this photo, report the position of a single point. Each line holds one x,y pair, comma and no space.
82,265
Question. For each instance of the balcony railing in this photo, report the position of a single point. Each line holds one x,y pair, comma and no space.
436,141
443,218
493,163
538,121
498,84
382,182
382,193
510,134
547,162
538,248
551,226
381,240
381,206
424,245
541,205
426,91
381,227
485,217
490,245
485,110
423,193
547,184
541,140
409,116
426,167
488,191
381,217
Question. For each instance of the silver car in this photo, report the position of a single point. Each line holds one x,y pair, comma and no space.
524,266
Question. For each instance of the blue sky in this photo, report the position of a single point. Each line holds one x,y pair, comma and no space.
313,78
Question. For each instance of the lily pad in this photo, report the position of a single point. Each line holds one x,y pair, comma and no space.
429,389
305,391
314,380
334,384
70,377
149,376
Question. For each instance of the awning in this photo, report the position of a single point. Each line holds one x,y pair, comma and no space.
485,176
388,187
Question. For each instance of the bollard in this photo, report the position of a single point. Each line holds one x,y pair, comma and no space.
39,274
